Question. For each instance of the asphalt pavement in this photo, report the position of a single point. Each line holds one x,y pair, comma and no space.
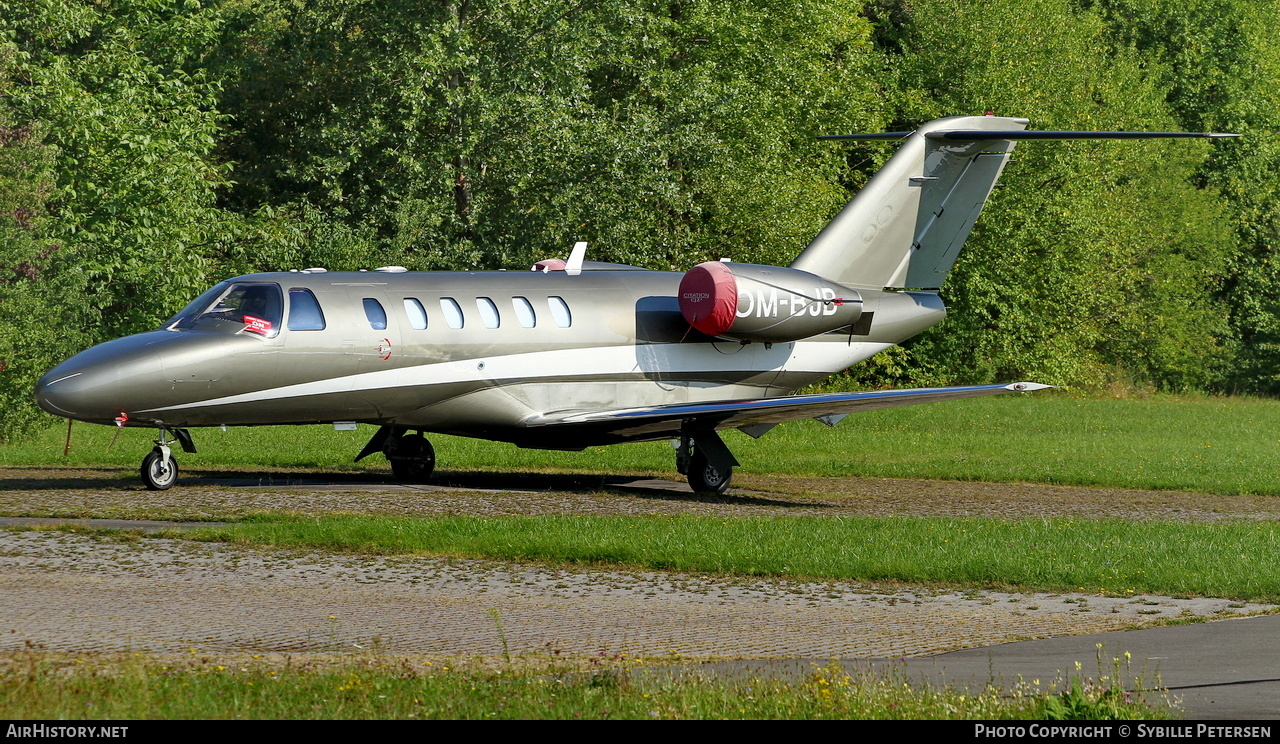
77,594
1212,671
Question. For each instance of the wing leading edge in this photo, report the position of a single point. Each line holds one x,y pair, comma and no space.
576,429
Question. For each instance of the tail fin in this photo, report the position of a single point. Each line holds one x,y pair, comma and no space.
907,225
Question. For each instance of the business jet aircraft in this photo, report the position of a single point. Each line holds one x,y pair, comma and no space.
575,353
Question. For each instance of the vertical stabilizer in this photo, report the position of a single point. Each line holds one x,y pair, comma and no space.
905,228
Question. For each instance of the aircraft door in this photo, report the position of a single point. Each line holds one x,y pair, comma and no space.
375,342
317,329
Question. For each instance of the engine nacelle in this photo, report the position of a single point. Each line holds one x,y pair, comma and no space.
750,302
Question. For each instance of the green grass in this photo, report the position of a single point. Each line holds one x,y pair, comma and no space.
1209,445
1214,445
1230,560
140,689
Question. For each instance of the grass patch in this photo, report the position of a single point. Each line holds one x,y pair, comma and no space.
1232,559
137,688
1212,445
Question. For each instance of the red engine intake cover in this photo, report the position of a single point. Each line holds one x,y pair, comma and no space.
709,297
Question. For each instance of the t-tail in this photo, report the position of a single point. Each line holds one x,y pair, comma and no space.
905,228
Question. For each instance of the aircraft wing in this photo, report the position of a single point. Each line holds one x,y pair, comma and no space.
575,429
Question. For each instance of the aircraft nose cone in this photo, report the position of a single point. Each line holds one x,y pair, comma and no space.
79,391
94,385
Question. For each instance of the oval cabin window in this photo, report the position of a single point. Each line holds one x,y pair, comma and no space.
416,312
524,312
452,312
488,312
560,312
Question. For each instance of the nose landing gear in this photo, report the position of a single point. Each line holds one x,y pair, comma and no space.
159,467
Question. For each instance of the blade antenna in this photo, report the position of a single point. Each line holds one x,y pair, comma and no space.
573,266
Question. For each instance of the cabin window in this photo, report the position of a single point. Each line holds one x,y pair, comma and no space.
488,312
452,312
416,312
560,312
524,312
376,315
304,311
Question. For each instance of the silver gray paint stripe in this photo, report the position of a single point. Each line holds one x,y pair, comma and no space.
810,357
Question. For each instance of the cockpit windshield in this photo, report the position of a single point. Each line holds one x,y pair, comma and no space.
251,307
193,309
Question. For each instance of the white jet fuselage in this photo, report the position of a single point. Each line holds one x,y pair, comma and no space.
484,354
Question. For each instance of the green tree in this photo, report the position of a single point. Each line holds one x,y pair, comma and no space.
489,134
106,186
1219,62
133,200
1098,259
34,330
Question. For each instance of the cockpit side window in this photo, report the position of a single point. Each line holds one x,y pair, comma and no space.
251,307
304,311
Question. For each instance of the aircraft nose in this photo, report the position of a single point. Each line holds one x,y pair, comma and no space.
70,394
89,386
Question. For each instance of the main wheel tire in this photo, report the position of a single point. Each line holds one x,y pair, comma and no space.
158,472
414,459
705,477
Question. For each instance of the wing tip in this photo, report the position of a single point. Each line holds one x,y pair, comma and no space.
1027,387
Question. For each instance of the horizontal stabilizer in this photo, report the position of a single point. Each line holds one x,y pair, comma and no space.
907,226
982,135
979,135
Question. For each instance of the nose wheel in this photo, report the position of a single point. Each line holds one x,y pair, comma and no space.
159,469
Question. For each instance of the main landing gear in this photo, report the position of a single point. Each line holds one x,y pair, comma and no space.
700,455
412,457
159,467
705,460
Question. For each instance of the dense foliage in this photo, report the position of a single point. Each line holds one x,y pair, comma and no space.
151,147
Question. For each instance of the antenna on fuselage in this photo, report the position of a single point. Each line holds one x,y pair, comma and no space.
574,266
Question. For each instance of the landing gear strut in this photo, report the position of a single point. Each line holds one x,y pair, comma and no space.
411,456
705,460
159,468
